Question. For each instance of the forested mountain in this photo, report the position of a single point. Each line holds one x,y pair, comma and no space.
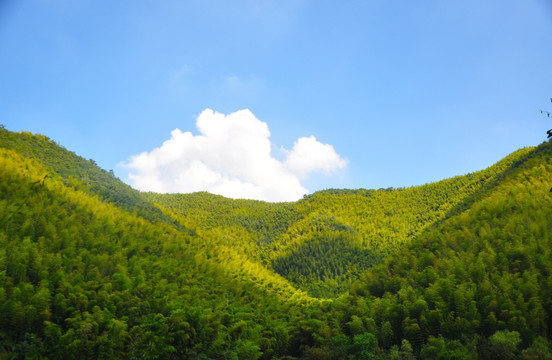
323,242
90,268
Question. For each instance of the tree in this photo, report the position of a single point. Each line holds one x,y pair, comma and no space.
539,350
364,345
340,345
386,335
434,348
406,352
504,344
356,325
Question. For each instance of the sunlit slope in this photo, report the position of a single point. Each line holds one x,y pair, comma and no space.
88,278
384,220
250,226
78,172
486,268
345,232
324,241
90,268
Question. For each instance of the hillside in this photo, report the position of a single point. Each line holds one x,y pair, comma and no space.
83,276
91,268
323,242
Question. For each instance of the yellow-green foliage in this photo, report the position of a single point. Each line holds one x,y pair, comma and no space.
75,269
310,242
385,220
484,270
90,268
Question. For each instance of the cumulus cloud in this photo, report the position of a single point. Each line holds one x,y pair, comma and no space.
232,157
309,155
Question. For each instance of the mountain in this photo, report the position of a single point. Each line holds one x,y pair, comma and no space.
91,268
323,242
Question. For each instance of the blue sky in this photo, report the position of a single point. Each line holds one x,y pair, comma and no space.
404,92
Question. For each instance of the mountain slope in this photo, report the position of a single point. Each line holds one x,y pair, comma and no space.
486,270
90,268
371,224
79,173
323,242
82,276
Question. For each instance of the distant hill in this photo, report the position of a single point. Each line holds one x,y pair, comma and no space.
91,268
323,242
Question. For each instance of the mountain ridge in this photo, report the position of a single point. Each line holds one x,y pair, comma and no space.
90,267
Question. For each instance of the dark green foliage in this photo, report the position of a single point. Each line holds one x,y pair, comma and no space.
90,268
326,263
440,349
364,346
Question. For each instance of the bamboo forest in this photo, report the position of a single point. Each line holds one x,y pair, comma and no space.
93,269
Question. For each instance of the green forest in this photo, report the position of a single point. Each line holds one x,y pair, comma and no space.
93,269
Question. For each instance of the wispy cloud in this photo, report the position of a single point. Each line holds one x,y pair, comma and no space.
231,156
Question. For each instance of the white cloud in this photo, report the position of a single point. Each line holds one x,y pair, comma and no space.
232,157
309,155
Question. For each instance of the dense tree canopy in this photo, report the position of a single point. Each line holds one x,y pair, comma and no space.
90,268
